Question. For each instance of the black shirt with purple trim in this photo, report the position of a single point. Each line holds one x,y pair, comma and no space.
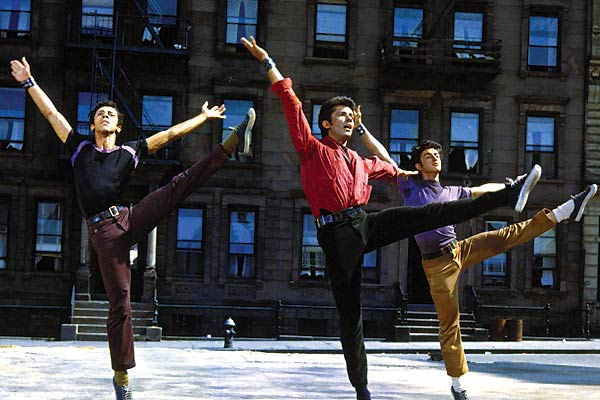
101,175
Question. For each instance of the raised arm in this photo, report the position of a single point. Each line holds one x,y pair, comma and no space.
160,139
21,71
371,143
485,188
261,55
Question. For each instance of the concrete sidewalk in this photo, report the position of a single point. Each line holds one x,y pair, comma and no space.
296,369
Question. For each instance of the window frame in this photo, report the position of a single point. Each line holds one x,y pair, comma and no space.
555,269
233,120
253,275
105,28
238,50
506,254
397,156
178,269
17,33
23,120
5,230
373,278
548,14
312,277
408,41
55,255
477,167
323,49
529,164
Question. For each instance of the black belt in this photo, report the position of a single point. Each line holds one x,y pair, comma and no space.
447,249
112,212
338,216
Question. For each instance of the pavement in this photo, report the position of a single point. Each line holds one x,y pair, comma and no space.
34,369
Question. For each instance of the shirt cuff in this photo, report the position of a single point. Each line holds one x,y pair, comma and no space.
282,85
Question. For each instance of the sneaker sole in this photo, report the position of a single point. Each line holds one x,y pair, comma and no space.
247,138
532,179
592,193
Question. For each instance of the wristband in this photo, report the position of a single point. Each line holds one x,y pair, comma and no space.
361,129
27,83
268,63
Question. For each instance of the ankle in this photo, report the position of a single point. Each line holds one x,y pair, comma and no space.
121,378
230,144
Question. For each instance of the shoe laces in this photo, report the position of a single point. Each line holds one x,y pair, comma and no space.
124,393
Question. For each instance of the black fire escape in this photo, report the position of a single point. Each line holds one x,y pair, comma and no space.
109,45
433,55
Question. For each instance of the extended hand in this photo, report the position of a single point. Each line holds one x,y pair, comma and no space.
357,116
405,174
258,52
20,69
214,112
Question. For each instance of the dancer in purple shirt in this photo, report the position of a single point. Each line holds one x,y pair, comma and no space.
445,258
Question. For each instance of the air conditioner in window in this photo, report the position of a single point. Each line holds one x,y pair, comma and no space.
3,34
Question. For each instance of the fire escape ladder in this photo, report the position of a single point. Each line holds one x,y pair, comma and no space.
149,26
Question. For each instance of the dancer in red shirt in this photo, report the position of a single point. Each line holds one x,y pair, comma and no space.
335,181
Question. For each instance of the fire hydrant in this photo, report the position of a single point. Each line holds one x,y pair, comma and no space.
228,326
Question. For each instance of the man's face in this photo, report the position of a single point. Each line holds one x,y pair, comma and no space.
341,125
430,161
106,120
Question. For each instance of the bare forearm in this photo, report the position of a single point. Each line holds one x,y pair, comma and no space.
375,147
274,75
57,120
488,187
160,139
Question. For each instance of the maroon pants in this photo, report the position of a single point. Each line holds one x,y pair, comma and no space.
113,237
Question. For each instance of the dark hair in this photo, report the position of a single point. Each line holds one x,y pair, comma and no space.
105,103
329,105
415,154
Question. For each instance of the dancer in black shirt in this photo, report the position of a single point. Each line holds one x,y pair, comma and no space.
102,170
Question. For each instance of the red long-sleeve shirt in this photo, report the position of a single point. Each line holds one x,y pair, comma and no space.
333,177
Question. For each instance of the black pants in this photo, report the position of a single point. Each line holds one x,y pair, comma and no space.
345,242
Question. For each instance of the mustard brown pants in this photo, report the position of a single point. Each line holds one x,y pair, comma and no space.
443,273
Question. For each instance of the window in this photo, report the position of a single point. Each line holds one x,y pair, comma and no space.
543,54
85,102
3,234
495,268
330,29
468,28
15,18
539,144
97,17
162,14
316,129
236,112
404,134
544,260
157,115
12,118
313,258
463,156
242,20
408,26
370,267
242,228
48,240
189,241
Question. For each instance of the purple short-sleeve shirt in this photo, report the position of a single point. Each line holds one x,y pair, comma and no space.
419,192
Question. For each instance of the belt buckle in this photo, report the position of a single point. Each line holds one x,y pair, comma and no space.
113,211
337,216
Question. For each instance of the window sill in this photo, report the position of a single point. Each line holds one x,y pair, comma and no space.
329,61
307,283
243,164
543,74
46,274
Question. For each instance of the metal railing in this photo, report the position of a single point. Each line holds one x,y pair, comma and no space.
133,32
396,51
